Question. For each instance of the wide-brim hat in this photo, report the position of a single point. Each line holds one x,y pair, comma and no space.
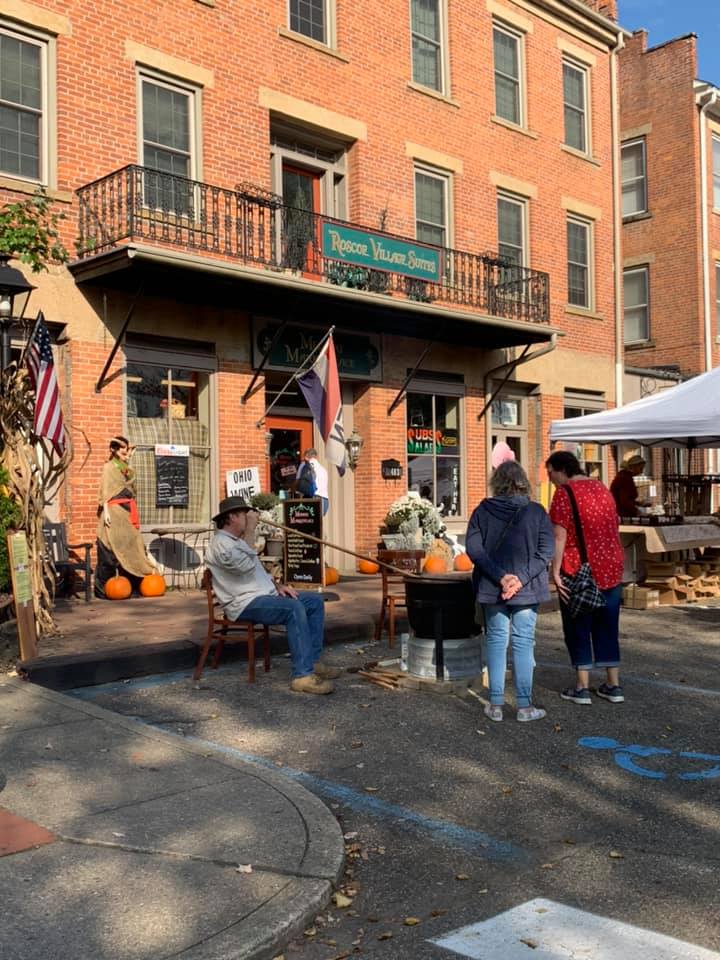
231,505
636,461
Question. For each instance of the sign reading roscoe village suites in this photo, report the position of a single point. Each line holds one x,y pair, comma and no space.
379,252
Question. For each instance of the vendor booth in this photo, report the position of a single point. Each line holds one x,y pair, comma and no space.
671,547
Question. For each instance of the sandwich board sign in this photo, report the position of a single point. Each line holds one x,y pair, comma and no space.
243,482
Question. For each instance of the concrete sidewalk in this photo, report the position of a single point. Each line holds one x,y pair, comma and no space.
119,842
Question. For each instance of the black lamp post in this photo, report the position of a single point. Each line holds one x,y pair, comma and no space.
12,284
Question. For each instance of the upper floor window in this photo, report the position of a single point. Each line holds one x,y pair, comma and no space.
637,309
512,216
579,255
716,172
717,298
23,139
168,125
426,24
431,207
310,18
575,83
507,53
634,180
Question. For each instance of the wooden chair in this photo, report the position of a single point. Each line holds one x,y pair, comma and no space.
218,628
67,559
393,586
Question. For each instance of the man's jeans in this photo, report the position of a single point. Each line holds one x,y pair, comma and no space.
304,619
503,621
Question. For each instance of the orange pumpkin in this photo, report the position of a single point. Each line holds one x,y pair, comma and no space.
435,565
331,576
463,562
367,566
118,588
153,585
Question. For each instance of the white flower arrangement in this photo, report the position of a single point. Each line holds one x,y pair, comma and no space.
407,511
275,515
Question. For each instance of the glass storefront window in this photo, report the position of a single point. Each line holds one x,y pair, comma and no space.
169,405
433,448
590,455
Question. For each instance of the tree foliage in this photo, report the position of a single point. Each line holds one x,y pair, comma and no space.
29,230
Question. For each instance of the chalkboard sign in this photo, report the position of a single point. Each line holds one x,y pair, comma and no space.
304,565
172,473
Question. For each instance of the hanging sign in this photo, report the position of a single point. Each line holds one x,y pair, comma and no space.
378,251
243,482
303,558
172,475
358,355
19,562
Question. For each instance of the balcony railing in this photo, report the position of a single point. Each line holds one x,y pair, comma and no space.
257,228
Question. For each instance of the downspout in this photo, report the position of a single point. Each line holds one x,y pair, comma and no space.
617,221
508,366
712,98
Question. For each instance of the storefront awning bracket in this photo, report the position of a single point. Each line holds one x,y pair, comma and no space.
403,389
511,366
265,357
103,379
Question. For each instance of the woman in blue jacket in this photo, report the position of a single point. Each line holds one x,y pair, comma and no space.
510,540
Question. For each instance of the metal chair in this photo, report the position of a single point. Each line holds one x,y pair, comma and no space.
219,627
67,559
393,586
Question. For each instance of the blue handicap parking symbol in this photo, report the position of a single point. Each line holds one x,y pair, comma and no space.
626,756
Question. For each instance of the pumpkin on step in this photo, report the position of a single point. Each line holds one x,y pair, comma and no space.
118,588
463,562
153,585
331,576
367,566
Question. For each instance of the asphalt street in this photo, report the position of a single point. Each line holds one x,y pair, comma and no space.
450,819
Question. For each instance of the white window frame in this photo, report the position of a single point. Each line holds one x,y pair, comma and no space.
645,270
193,94
589,225
639,141
716,171
516,431
584,70
519,38
522,202
446,179
46,45
443,77
329,37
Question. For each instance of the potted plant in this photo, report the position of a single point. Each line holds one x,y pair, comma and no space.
270,509
412,523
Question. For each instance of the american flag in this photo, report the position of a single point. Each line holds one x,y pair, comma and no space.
48,413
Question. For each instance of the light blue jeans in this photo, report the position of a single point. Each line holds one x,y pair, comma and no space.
503,623
304,619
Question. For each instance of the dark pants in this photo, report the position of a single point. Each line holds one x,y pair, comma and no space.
107,567
592,638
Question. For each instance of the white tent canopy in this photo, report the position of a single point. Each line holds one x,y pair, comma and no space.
687,415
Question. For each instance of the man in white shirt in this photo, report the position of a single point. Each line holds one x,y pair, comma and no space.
321,477
245,589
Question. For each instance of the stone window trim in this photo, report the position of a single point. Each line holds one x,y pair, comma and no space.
46,42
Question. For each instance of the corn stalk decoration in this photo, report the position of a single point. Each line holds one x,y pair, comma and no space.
29,231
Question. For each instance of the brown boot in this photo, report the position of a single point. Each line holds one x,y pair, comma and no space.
326,672
310,683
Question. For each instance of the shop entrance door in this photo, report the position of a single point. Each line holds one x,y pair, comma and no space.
291,436
301,193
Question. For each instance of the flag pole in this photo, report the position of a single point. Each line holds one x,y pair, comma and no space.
298,372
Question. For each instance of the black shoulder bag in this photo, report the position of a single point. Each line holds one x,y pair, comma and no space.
584,594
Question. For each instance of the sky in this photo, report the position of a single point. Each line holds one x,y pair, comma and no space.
665,19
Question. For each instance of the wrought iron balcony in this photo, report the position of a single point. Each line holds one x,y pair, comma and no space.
257,228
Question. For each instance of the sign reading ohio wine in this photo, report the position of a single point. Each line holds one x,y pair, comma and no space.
376,251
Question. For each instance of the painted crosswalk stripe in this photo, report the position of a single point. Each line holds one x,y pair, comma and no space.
556,932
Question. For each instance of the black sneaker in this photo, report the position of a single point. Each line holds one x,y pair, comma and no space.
613,694
579,695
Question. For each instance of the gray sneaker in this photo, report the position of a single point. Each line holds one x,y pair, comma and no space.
613,694
579,695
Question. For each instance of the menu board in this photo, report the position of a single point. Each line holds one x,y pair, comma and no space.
304,566
172,471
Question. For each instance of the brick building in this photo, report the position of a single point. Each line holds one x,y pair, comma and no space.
234,178
670,146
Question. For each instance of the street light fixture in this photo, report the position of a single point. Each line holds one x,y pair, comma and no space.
353,446
12,284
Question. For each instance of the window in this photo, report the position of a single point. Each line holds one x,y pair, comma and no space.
717,298
431,208
509,424
716,172
590,455
167,144
508,93
579,262
637,310
575,105
23,136
512,215
309,17
426,26
433,448
634,183
169,404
